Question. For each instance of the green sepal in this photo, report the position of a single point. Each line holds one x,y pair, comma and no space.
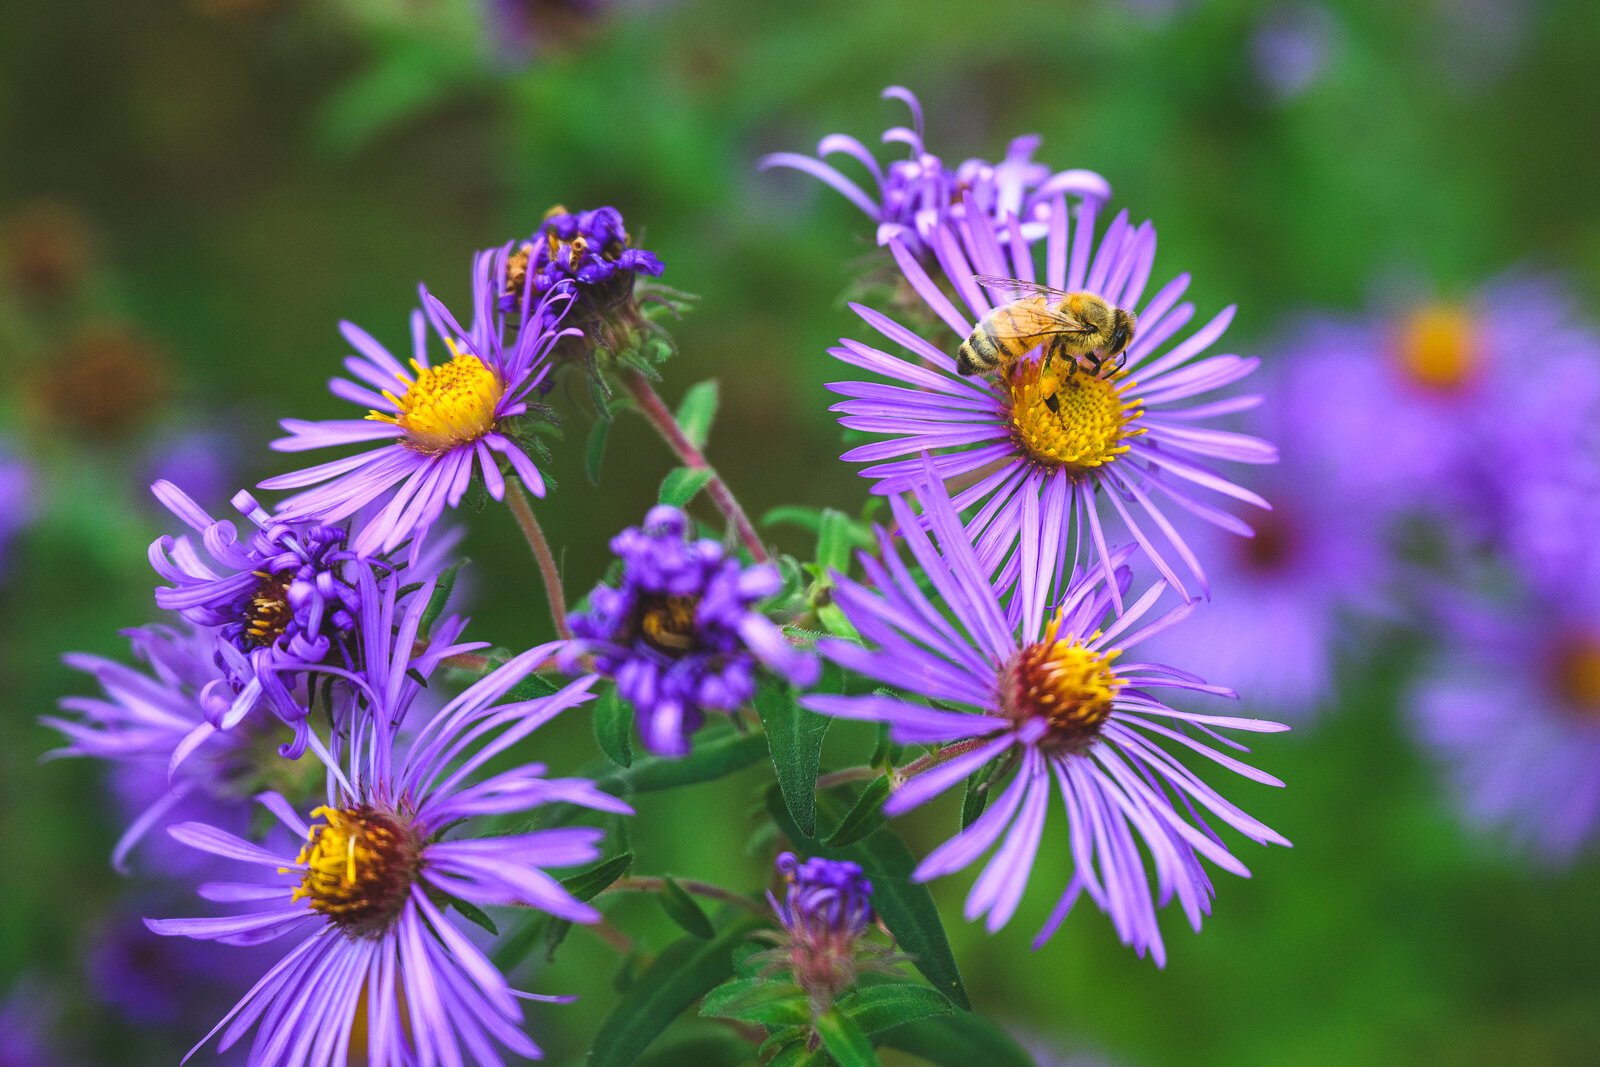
594,451
544,928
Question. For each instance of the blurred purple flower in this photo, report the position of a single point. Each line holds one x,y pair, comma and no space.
204,463
681,632
159,983
1511,706
1049,700
915,196
1079,442
1292,46
449,420
365,898
27,1015
16,502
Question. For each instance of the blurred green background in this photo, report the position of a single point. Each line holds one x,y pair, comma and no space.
194,192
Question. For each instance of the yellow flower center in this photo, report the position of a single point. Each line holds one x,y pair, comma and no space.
446,406
360,865
1069,686
268,614
1073,420
1577,674
1438,348
667,623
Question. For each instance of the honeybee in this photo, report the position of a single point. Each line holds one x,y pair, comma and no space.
1076,326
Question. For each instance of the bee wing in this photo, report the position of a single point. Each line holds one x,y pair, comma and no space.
1017,289
1029,320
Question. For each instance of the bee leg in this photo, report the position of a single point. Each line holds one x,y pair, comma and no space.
1122,361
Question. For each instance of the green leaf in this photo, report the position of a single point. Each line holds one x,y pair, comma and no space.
685,971
714,755
541,928
865,816
706,1047
880,1007
775,1005
794,737
613,728
905,907
682,484
594,452
475,915
681,909
797,1055
959,1039
837,535
808,519
845,1042
440,597
697,411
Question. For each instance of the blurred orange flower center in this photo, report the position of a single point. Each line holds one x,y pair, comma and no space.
1577,674
446,406
1076,420
1438,348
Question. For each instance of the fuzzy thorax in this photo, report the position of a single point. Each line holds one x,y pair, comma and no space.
446,406
360,865
1073,420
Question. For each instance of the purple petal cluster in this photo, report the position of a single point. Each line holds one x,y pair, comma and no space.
1105,455
449,420
680,632
589,249
362,895
823,899
280,602
915,196
1045,698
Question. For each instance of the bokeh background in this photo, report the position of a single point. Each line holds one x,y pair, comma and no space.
194,192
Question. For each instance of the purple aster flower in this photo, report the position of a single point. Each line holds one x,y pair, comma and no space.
1283,598
590,249
1127,442
16,501
1049,700
1511,707
365,897
917,195
681,632
281,603
825,911
449,419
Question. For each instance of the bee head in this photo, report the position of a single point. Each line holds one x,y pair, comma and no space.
1121,335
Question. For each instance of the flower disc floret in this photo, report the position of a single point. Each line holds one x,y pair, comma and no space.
1071,419
446,406
360,863
1069,687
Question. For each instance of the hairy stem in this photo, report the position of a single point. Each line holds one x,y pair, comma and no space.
700,889
517,501
656,412
899,774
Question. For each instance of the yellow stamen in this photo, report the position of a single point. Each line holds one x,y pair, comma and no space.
359,864
269,614
1065,683
446,406
1075,420
1438,348
668,623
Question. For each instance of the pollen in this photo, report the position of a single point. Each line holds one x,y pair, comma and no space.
1075,420
668,623
1069,686
359,864
1438,348
267,614
446,406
